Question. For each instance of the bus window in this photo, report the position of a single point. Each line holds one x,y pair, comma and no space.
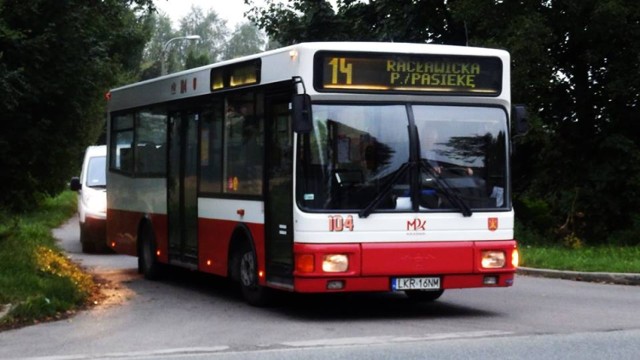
211,149
244,145
151,138
467,148
354,150
122,143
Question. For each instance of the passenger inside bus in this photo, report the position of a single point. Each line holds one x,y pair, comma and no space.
430,153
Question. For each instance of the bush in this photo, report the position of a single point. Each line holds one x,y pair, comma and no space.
35,276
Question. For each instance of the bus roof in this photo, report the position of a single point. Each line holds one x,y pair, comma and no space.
195,82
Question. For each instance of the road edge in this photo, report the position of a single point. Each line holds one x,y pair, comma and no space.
601,277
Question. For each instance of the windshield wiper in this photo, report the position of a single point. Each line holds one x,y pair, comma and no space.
446,189
388,188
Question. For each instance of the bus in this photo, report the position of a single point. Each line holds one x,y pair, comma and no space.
320,168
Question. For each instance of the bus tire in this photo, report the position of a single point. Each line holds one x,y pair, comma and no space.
148,265
424,296
253,293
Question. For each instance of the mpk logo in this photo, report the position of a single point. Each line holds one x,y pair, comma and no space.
416,224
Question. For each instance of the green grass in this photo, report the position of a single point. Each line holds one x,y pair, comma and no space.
591,259
36,278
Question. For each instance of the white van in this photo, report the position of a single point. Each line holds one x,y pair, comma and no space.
92,200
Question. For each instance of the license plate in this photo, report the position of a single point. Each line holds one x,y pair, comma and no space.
415,283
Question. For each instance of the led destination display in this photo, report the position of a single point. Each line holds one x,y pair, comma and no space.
446,74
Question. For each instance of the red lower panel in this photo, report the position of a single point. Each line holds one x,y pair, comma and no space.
214,240
383,283
161,229
213,245
417,258
373,265
475,281
122,231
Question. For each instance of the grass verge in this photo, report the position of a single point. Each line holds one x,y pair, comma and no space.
37,280
590,259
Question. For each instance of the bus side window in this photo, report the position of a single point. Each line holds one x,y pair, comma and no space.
151,137
126,159
122,143
244,141
211,149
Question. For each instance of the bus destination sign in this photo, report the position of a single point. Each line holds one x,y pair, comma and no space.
441,74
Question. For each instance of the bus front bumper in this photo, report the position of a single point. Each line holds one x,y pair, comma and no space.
379,266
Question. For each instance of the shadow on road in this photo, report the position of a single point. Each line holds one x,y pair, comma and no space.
330,307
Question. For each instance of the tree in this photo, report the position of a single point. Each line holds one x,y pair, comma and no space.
574,63
182,55
245,40
153,51
298,20
573,60
58,61
212,31
377,20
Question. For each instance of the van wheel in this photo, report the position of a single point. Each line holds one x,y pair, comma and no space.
93,242
252,292
87,246
148,265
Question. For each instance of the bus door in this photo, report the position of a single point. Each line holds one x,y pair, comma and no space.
182,201
279,197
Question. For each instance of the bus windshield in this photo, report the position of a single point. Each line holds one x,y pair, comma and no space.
359,157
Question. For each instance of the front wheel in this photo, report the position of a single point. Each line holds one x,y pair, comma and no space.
252,292
148,265
424,295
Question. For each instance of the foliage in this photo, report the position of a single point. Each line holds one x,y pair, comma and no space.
212,31
58,60
576,175
298,21
35,277
574,59
216,42
245,40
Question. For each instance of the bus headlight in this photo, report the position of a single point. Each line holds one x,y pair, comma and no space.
493,259
335,263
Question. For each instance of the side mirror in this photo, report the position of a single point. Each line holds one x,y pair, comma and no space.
75,184
301,109
519,119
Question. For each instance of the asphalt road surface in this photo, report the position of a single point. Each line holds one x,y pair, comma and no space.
191,316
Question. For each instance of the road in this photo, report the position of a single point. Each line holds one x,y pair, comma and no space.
190,316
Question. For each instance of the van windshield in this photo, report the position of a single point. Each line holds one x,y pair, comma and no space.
96,176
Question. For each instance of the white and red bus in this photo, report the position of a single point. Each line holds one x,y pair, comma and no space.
320,167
